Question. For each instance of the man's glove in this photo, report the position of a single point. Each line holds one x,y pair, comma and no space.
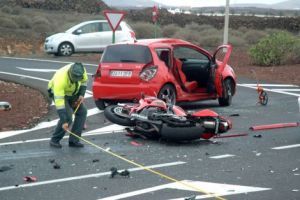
65,126
78,102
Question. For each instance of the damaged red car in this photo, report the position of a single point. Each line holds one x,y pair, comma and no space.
170,69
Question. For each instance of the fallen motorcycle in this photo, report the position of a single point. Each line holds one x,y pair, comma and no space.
154,118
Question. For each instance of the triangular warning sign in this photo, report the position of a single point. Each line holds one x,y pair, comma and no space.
114,18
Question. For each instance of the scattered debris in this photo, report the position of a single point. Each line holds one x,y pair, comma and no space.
30,179
234,115
95,160
296,169
16,185
6,168
271,171
107,149
207,154
295,190
258,154
274,126
114,172
14,151
134,143
257,136
51,160
56,166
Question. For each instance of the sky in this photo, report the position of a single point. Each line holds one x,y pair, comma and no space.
200,3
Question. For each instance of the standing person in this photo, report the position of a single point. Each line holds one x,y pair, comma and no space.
67,88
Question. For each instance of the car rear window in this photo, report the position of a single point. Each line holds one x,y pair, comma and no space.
127,53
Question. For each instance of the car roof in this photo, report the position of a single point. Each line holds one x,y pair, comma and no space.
158,42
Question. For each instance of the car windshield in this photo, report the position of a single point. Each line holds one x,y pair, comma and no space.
127,53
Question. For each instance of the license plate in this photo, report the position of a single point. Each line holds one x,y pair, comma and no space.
116,73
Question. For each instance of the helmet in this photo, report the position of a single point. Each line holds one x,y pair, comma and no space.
76,72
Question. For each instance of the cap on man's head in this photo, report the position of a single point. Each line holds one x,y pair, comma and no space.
76,71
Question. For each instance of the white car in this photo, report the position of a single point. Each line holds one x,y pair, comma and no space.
89,36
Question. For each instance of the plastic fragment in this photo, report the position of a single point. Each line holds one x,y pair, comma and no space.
95,160
257,136
114,172
56,166
134,143
296,169
30,179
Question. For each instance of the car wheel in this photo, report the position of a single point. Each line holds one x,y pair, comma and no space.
167,93
227,93
65,49
100,104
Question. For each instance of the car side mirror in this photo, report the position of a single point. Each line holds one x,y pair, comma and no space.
78,32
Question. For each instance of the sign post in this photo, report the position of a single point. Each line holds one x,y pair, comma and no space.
114,19
154,19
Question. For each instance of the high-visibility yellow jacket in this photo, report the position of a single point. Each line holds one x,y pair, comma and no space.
62,86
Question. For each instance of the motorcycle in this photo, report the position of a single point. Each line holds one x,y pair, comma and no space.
154,118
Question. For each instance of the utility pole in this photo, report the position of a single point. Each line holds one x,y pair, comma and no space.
226,23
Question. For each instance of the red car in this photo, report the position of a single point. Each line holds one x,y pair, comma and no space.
166,68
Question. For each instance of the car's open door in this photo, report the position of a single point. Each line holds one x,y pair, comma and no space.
220,59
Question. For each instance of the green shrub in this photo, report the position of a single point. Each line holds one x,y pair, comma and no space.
146,30
253,36
6,9
8,23
196,27
237,41
170,30
189,36
41,28
273,49
16,10
23,22
213,40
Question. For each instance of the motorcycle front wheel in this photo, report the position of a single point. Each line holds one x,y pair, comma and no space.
116,114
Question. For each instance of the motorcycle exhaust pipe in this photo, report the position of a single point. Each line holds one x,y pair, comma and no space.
218,126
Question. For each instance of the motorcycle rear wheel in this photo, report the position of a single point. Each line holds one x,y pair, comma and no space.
116,114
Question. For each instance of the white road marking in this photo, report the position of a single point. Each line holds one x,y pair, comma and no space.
269,85
288,90
24,76
101,131
213,188
35,78
110,128
42,70
44,60
97,175
270,90
222,156
42,125
286,147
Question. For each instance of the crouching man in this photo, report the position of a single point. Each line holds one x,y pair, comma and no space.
67,88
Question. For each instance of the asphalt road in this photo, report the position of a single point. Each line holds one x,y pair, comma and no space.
266,167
